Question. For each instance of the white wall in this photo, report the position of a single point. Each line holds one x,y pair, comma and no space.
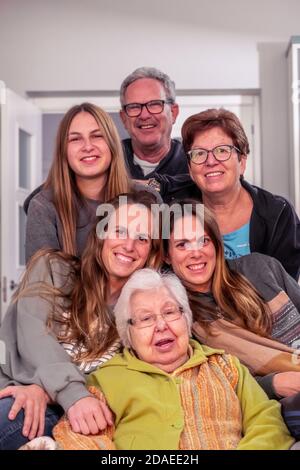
93,44
275,94
51,45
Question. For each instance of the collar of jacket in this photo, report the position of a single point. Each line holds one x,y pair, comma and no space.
137,172
127,359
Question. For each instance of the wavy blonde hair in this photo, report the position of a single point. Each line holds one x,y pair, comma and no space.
83,290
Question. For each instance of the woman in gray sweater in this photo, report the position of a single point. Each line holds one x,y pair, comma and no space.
60,327
88,169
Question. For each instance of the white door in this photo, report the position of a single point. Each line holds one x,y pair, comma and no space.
21,172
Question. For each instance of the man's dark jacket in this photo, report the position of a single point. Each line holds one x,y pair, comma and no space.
174,163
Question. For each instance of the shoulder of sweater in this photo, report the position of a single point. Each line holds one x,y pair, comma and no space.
59,264
51,262
43,197
263,271
41,209
254,260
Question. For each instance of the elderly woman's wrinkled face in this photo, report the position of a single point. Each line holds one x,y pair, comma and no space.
159,334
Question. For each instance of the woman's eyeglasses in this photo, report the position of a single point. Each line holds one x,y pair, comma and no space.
221,154
149,319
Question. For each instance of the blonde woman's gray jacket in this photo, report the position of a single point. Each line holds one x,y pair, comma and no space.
33,354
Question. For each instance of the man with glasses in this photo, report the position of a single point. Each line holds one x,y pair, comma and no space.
149,110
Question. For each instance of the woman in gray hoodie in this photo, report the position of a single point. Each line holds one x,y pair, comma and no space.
60,326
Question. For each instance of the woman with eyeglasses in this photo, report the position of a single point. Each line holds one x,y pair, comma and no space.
60,326
170,392
250,219
149,110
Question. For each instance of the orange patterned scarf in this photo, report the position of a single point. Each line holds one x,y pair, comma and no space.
213,418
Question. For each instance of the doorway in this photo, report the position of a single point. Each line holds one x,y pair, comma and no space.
21,172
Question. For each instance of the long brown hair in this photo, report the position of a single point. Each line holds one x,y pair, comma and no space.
61,178
235,298
78,310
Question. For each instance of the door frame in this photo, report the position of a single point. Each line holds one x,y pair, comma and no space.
17,113
293,57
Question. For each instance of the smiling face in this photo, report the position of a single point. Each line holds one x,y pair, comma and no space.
193,258
149,131
213,176
87,151
128,242
164,345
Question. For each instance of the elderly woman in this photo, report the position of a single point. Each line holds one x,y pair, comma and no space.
170,392
250,219
259,322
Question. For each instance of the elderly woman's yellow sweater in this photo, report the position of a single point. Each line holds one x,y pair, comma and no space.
211,402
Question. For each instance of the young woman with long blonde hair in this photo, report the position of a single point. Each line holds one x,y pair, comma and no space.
88,169
60,325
